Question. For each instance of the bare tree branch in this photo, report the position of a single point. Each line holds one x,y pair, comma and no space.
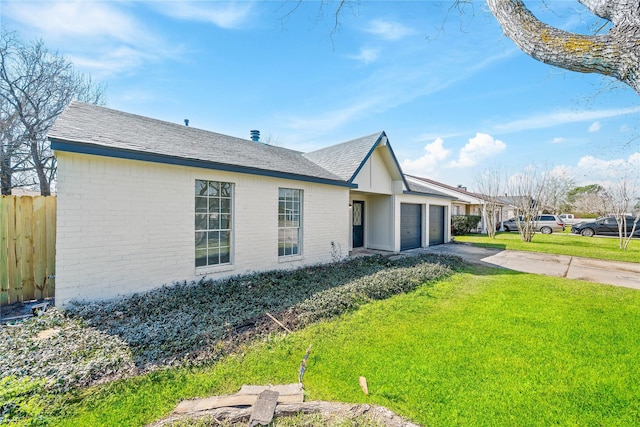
35,87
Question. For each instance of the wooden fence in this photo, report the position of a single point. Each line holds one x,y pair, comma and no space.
27,248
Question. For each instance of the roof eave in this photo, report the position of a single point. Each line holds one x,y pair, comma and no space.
58,144
439,196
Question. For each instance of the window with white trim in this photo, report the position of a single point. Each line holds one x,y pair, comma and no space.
213,222
289,222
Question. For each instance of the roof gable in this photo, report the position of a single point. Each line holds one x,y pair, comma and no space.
348,158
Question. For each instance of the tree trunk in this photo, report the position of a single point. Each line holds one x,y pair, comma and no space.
45,186
5,172
616,54
5,177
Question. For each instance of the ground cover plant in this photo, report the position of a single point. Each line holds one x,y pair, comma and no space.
560,244
186,321
184,324
494,347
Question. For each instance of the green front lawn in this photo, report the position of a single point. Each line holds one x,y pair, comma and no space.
561,244
488,348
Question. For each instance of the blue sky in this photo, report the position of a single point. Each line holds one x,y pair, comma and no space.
453,94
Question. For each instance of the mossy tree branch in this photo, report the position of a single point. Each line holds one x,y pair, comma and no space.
616,54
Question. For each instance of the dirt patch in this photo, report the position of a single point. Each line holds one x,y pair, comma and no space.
47,333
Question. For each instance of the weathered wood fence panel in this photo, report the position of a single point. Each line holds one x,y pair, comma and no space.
27,248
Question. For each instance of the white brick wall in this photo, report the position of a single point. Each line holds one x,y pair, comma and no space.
127,226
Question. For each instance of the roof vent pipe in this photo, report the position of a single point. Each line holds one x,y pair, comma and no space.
255,135
186,122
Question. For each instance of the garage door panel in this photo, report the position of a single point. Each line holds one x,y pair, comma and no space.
436,225
410,226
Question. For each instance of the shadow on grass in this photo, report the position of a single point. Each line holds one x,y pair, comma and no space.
491,270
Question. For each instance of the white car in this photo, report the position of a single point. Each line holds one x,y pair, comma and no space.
569,219
546,224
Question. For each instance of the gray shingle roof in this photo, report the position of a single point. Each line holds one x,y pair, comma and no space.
443,185
416,187
87,126
345,159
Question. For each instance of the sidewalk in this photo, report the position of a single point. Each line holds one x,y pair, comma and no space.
617,273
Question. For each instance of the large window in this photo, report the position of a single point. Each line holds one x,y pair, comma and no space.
289,221
213,222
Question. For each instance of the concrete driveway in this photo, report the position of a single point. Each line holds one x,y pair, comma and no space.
617,273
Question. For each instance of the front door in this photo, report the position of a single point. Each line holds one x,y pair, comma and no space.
358,224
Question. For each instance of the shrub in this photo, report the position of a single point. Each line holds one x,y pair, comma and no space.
380,285
463,224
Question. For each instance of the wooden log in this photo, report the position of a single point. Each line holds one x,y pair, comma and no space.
264,408
282,389
247,396
334,410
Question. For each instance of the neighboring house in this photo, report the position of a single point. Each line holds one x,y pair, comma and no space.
142,203
466,202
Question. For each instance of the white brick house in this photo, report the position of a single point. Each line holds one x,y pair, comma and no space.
142,203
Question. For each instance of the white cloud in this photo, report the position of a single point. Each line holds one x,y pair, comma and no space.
562,117
590,169
229,15
480,147
101,38
332,119
434,156
388,30
561,172
384,90
558,140
609,168
366,55
595,127
59,20
116,61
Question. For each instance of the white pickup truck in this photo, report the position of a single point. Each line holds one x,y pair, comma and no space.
569,219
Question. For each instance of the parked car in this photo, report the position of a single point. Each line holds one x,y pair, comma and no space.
604,226
569,219
546,224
